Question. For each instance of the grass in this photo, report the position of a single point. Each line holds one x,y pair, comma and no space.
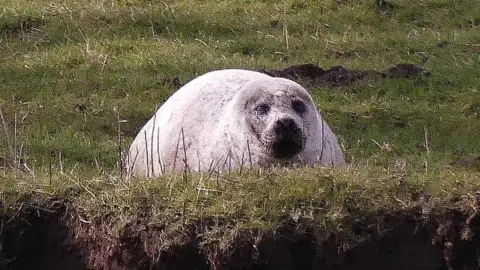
69,68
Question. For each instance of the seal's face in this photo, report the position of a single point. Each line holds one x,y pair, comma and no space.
277,114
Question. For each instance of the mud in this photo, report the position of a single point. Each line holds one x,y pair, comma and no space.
56,237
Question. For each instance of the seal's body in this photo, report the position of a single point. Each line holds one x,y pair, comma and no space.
230,118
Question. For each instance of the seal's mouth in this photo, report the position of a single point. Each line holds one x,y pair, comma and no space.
284,139
286,149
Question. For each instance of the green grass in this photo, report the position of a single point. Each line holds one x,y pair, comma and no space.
112,57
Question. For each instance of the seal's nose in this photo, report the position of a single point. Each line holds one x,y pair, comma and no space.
288,138
285,126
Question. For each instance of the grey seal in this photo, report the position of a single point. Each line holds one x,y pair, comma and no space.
226,119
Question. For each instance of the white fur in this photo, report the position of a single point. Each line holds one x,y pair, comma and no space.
198,126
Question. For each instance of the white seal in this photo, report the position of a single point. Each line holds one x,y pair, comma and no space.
231,118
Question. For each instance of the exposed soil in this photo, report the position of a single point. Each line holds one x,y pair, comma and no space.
54,236
36,238
313,76
337,76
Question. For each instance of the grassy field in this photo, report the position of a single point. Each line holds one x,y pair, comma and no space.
77,75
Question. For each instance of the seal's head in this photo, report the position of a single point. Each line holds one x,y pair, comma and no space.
277,112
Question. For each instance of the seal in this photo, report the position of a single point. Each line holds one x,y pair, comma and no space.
229,119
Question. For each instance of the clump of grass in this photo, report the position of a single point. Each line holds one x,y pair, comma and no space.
223,212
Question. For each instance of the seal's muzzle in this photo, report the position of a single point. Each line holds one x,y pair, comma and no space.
289,139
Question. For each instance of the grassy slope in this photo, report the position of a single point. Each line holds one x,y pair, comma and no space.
112,56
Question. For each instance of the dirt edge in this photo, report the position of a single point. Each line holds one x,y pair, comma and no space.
55,236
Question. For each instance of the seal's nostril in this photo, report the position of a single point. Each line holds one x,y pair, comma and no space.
284,125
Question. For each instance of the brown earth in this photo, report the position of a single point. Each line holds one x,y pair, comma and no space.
312,75
54,236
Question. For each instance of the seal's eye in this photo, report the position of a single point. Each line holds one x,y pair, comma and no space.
262,109
299,107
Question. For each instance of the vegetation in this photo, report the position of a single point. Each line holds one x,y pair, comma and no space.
79,78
